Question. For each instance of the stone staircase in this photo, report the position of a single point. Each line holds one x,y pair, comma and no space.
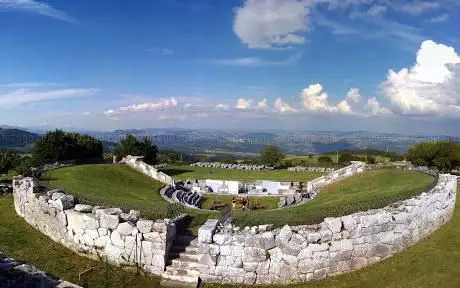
182,266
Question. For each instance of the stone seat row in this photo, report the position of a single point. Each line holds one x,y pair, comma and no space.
184,196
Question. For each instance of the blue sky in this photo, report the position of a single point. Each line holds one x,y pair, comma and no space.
377,65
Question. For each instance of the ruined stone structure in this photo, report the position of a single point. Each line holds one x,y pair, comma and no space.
256,255
15,273
137,163
101,233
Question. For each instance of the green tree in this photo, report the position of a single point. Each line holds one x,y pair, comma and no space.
131,146
445,155
9,159
346,158
271,156
325,160
371,159
58,146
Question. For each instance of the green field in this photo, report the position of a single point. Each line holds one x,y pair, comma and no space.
112,185
189,172
255,202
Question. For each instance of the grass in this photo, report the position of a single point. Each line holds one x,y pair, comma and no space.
433,262
184,172
255,202
111,185
8,177
373,189
22,242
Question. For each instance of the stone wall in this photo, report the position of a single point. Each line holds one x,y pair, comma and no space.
259,255
15,273
354,168
101,233
144,168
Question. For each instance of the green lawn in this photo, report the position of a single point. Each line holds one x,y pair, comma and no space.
22,242
255,202
189,172
112,185
372,189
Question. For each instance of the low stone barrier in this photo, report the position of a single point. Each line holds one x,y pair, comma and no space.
15,273
337,175
137,163
97,232
259,255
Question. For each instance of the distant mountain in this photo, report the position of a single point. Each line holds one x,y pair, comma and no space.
17,138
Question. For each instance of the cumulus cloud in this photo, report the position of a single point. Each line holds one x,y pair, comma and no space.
246,104
26,96
148,106
36,7
316,100
374,108
282,107
431,86
271,23
223,107
353,95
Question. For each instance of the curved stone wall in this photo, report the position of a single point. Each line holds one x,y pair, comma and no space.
97,232
256,255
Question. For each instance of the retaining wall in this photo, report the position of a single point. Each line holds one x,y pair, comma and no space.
354,168
256,255
101,233
144,168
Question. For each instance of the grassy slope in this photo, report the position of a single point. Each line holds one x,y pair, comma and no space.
374,189
113,185
431,263
189,172
22,242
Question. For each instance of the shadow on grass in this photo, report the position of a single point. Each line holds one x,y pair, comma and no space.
174,171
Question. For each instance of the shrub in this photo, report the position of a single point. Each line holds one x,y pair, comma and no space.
131,146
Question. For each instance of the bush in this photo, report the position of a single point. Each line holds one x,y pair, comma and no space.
444,155
325,160
271,156
371,159
9,159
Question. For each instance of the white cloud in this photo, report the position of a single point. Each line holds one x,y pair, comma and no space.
282,107
353,95
439,19
376,10
431,86
271,23
417,7
374,108
148,106
246,104
223,107
316,100
36,7
25,96
86,113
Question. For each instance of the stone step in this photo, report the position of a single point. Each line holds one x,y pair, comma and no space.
171,270
192,249
179,284
184,264
185,240
190,256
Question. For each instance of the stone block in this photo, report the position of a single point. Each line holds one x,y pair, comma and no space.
285,234
83,208
144,225
125,228
109,221
263,268
341,245
160,226
64,202
117,239
91,222
252,254
334,224
206,231
250,266
222,238
349,223
313,237
155,237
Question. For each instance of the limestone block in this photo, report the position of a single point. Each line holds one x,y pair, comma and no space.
112,211
230,261
340,256
334,224
52,191
103,231
102,241
326,235
134,215
288,273
117,239
311,265
250,266
305,253
125,228
250,278
83,208
64,202
109,221
206,231
285,234
268,240
207,259
222,238
225,250
252,254
290,260
290,248
349,223
238,239
74,220
160,226
56,194
341,245
263,268
155,237
313,237
91,222
62,219
144,226
263,280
